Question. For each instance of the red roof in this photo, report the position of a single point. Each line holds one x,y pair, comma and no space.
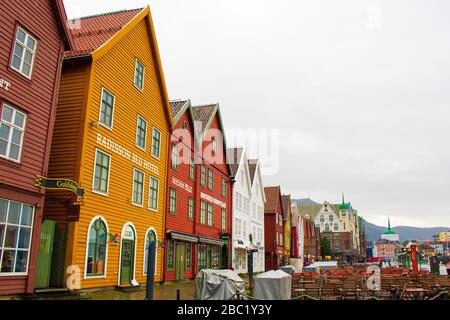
272,199
94,31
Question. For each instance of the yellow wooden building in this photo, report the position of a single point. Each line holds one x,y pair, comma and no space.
110,139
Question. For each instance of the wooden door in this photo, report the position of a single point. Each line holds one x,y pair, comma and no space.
127,262
45,255
180,262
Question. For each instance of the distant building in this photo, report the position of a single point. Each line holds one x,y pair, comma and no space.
390,234
425,250
273,228
444,236
386,249
438,248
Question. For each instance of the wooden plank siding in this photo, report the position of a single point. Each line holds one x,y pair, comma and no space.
115,71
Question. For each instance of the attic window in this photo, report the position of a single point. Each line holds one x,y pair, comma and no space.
214,144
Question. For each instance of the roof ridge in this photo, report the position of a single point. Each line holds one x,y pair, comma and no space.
107,14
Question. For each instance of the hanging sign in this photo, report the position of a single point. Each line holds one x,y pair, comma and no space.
59,184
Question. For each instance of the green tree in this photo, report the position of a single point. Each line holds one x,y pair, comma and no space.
325,247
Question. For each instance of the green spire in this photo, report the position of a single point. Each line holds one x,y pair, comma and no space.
344,206
389,229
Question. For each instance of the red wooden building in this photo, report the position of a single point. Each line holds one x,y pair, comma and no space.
274,230
198,217
33,38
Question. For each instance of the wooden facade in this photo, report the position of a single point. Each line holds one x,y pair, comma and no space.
197,238
33,38
274,229
111,137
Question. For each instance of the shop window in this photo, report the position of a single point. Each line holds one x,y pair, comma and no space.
170,255
96,256
188,256
201,256
16,221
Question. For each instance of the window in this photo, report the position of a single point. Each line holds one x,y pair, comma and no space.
138,187
203,176
96,256
170,255
203,212
175,155
24,53
201,256
139,75
12,129
107,109
237,227
327,227
322,218
173,201
101,172
153,194
210,215
141,133
156,143
224,188
191,209
191,169
16,221
210,179
331,218
214,145
244,230
224,219
151,237
336,227
188,255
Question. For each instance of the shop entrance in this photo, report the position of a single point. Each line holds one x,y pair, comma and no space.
180,258
127,256
50,267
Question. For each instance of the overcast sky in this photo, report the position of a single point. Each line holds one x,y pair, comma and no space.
359,91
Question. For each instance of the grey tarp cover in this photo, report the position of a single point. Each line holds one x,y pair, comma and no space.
273,285
288,269
217,284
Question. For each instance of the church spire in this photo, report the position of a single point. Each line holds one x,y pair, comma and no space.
389,224
343,198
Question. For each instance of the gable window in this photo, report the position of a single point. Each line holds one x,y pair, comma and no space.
175,155
16,221
188,255
101,172
156,143
224,219
141,133
203,176
96,256
173,201
203,212
12,130
210,215
138,187
224,188
191,169
107,109
153,194
210,179
139,75
214,145
191,209
24,53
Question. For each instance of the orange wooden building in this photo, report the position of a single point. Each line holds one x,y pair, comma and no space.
111,139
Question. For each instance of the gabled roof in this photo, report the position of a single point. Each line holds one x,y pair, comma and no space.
286,203
252,165
273,198
305,202
205,115
310,211
62,23
96,30
234,156
177,106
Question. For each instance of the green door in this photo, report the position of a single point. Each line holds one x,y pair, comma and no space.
208,257
45,255
127,262
180,261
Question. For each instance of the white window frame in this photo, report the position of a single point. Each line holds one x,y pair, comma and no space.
139,117
109,172
86,276
143,188
112,112
144,269
143,74
8,274
150,193
13,126
25,48
153,136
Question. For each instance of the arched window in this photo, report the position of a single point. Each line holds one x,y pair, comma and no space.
96,251
214,145
151,236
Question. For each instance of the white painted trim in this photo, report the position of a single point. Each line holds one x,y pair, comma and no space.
143,189
13,126
149,193
100,109
144,271
87,249
120,252
146,130
27,35
109,173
